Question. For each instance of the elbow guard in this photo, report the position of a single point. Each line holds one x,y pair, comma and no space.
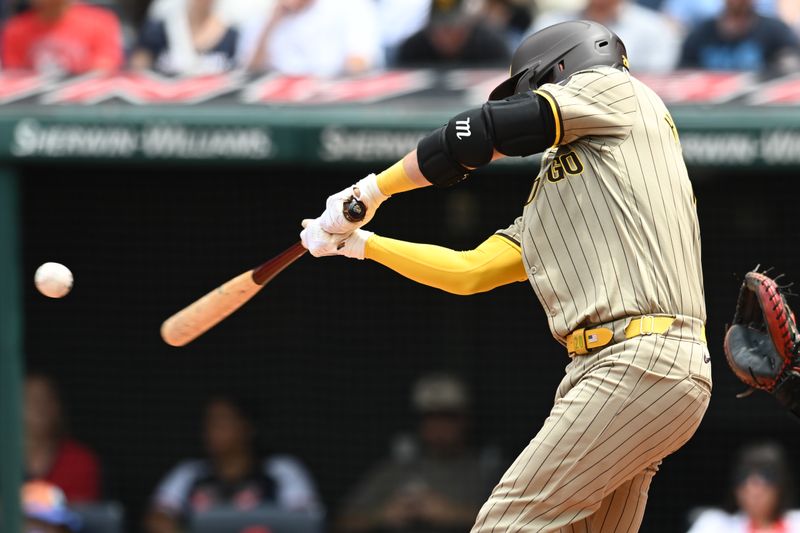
521,125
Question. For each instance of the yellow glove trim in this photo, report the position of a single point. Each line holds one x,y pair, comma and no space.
495,262
395,179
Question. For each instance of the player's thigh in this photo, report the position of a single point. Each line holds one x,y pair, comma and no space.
615,421
622,510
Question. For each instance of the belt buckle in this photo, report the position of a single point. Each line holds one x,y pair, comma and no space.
642,329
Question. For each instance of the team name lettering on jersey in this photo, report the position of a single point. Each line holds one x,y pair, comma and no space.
567,164
563,165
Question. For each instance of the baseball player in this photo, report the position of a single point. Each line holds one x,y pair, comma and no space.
608,239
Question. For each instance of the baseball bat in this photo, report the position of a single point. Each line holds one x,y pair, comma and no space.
203,314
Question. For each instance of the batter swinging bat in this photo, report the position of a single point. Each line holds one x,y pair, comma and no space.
198,317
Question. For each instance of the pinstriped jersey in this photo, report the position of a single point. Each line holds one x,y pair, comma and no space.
610,228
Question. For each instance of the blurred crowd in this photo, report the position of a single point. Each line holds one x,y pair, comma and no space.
330,38
433,478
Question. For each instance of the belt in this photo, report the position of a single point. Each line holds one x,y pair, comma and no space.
582,341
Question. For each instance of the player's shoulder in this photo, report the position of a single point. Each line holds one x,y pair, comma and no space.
175,485
283,465
793,518
600,72
603,83
296,486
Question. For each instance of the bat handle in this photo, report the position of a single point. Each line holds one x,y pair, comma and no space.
354,210
264,273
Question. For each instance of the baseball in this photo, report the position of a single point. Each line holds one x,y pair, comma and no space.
54,280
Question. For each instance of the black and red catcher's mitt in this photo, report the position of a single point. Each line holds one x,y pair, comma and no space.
762,345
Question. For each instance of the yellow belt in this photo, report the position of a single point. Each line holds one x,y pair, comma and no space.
583,340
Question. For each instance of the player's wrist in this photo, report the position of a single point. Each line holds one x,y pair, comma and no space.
355,245
368,191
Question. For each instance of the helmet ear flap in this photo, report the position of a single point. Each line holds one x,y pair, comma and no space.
528,80
553,75
508,87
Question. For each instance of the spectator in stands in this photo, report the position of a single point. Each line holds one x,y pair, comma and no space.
454,36
45,509
314,38
509,17
233,13
62,36
652,4
740,39
193,40
652,42
232,475
434,485
763,490
398,20
50,454
789,12
543,6
690,13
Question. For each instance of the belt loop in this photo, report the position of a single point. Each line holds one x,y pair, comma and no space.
643,320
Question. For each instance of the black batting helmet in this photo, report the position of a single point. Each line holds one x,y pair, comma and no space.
558,51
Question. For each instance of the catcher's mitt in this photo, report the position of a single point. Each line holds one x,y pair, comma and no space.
762,345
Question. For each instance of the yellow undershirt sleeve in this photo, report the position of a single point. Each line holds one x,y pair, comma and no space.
497,261
394,180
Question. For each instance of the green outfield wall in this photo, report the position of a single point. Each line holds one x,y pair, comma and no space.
721,136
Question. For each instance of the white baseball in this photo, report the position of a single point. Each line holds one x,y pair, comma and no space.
54,280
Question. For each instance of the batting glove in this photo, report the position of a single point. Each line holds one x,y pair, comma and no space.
321,243
367,191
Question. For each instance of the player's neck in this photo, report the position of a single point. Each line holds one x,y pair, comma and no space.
39,442
234,465
198,16
763,524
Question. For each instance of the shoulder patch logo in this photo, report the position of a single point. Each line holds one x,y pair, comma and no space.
463,129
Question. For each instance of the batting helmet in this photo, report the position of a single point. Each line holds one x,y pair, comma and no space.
556,52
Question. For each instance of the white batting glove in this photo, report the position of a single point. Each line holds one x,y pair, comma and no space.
321,243
367,191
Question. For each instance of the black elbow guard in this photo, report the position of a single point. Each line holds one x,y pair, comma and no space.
435,161
521,125
446,156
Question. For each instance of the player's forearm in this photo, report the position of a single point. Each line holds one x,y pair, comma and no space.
495,262
405,175
260,59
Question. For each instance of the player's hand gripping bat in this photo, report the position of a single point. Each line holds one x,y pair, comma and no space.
198,317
